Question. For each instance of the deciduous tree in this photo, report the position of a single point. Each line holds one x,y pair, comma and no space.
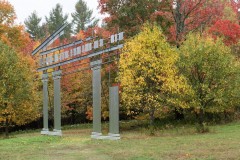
191,15
11,34
176,17
7,13
226,29
213,74
19,100
130,15
77,94
149,78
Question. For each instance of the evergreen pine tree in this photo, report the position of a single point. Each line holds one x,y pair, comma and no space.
34,27
56,19
82,17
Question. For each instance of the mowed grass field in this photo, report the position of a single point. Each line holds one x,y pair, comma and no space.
170,143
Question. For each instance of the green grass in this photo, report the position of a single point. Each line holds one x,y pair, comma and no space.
223,142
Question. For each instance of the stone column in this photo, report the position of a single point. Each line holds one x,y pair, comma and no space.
45,129
114,113
96,84
57,103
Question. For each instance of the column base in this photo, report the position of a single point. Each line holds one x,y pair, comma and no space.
109,137
112,136
55,133
45,131
96,135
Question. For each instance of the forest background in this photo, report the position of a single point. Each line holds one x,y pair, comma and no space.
180,63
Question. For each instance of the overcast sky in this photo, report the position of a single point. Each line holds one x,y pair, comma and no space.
24,8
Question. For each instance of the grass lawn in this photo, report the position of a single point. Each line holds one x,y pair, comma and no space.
223,142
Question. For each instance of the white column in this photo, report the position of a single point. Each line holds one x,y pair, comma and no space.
96,84
45,129
57,103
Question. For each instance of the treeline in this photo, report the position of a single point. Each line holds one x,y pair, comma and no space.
180,62
199,78
82,19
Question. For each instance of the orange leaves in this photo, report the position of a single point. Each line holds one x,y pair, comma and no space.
7,13
102,32
12,35
18,37
89,113
81,35
97,31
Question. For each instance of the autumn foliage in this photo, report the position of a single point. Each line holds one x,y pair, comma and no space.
176,17
149,77
229,31
19,102
175,59
11,34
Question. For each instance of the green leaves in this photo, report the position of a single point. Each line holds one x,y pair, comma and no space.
56,19
211,71
82,17
34,27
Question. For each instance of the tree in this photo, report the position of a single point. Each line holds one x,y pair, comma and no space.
149,77
191,15
130,15
7,13
11,34
212,73
34,27
57,19
77,94
229,31
82,17
176,17
196,15
228,26
19,100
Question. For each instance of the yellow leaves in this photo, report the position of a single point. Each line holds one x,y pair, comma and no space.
148,73
17,88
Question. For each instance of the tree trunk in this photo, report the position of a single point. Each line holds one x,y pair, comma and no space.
7,128
151,114
201,118
178,114
152,117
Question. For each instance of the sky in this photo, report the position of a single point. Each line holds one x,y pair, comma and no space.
24,8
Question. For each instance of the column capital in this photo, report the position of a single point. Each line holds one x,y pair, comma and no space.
45,77
95,65
57,74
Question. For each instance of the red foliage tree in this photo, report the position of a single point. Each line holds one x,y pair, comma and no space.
178,17
229,31
191,15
